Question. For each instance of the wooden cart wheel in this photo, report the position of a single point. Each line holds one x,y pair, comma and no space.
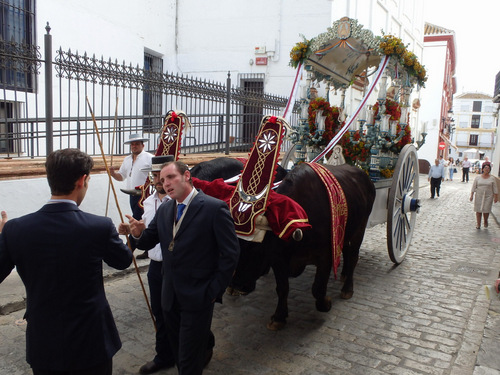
403,204
290,158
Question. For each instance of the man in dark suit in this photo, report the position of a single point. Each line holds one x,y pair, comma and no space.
200,252
58,252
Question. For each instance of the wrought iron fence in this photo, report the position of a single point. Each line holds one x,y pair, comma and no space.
124,99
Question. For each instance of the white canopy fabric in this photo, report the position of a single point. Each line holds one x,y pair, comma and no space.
471,150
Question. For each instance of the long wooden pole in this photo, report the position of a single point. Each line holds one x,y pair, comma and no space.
120,212
112,148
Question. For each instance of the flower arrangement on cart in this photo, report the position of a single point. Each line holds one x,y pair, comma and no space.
382,128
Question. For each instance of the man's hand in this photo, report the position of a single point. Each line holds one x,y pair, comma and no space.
4,220
124,228
115,174
135,227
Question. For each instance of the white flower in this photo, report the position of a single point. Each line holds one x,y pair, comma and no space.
267,142
170,134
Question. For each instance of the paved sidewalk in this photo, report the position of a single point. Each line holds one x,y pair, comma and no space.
428,315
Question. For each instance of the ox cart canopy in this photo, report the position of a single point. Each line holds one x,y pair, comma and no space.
376,135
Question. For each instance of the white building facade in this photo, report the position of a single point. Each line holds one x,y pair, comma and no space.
476,126
249,40
437,97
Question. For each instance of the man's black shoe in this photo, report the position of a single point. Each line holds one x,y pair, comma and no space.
152,367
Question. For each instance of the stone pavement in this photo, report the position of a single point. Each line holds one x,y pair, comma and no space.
428,315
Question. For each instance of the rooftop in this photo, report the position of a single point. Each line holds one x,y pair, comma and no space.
431,29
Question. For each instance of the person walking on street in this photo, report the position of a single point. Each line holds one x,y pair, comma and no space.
465,169
200,252
487,160
58,252
486,190
446,165
436,175
451,163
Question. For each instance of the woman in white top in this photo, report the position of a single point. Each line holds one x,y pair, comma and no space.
485,187
446,165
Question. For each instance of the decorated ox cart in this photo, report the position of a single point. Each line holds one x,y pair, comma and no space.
376,136
372,177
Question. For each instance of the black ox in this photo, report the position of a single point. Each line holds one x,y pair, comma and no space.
289,258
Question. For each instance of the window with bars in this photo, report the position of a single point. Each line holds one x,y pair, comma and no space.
252,111
475,121
473,139
152,103
17,28
6,112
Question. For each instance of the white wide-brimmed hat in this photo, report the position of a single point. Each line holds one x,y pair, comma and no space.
136,138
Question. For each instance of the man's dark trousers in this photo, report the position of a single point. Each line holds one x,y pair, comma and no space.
164,355
196,336
435,186
465,174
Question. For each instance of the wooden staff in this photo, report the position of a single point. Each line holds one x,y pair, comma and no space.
120,212
112,148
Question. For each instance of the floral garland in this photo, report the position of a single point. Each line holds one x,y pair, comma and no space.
404,141
392,46
353,148
387,173
300,52
388,45
391,108
332,123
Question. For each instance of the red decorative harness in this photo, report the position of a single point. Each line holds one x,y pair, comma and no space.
338,206
169,144
250,197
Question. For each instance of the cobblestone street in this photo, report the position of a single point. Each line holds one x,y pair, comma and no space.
428,315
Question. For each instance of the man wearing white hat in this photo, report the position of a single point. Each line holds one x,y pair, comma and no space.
131,171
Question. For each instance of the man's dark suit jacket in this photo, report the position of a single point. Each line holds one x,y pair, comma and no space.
205,253
58,252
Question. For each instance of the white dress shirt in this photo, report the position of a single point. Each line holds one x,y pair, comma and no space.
131,171
151,204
